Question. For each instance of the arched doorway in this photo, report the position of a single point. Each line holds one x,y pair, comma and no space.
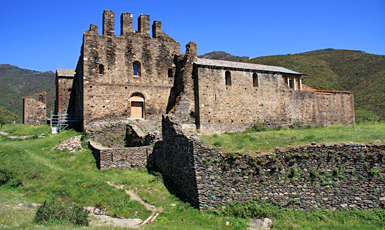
137,105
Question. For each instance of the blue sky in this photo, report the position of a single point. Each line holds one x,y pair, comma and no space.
45,35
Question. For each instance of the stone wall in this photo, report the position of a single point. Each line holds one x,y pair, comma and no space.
122,158
235,107
175,158
331,176
119,134
34,109
109,81
64,87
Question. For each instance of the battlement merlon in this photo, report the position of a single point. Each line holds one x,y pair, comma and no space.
144,24
126,24
108,22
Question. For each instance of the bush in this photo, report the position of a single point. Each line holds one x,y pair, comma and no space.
260,127
5,176
297,125
55,211
2,121
363,115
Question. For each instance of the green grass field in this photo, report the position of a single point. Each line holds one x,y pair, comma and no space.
72,178
253,142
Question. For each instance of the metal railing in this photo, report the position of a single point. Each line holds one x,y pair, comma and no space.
60,122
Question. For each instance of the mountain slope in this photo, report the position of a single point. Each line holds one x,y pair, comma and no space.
17,83
221,55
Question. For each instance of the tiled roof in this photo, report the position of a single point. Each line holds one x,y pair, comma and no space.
242,65
65,72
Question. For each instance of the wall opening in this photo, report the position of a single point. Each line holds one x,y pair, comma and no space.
170,73
255,80
101,69
228,77
136,69
137,106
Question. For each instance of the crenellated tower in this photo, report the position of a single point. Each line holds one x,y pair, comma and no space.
126,76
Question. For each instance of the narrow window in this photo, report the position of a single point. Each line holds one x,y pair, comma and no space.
101,69
255,80
136,68
170,75
228,77
291,85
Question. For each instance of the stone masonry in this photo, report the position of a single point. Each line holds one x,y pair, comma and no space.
141,74
342,176
34,110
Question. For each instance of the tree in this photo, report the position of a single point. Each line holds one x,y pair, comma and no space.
2,121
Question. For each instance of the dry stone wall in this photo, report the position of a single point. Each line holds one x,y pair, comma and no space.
122,158
332,176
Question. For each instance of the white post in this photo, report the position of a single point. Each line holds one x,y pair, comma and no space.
300,83
295,87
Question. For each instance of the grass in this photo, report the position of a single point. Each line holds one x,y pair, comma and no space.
317,219
73,178
255,142
48,174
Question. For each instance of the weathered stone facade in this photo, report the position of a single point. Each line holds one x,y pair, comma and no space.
34,109
64,84
261,94
136,76
342,176
125,76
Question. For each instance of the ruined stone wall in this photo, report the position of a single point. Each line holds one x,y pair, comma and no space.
108,59
122,158
34,109
238,106
341,176
64,86
337,108
174,157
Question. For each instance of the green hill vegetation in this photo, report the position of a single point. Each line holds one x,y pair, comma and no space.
32,170
8,116
331,69
17,83
221,55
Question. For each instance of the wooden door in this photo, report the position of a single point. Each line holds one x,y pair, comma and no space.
136,109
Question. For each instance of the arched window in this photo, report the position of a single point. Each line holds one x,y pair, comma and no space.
255,80
228,77
136,69
101,69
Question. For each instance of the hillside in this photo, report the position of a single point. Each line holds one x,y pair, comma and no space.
350,70
221,55
17,83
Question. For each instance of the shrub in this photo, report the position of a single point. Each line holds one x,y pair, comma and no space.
2,121
260,127
363,115
55,211
313,173
297,125
293,172
5,176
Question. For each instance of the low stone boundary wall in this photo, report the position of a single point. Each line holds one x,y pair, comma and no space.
343,176
122,158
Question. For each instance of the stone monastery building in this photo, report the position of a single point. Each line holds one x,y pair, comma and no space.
137,76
